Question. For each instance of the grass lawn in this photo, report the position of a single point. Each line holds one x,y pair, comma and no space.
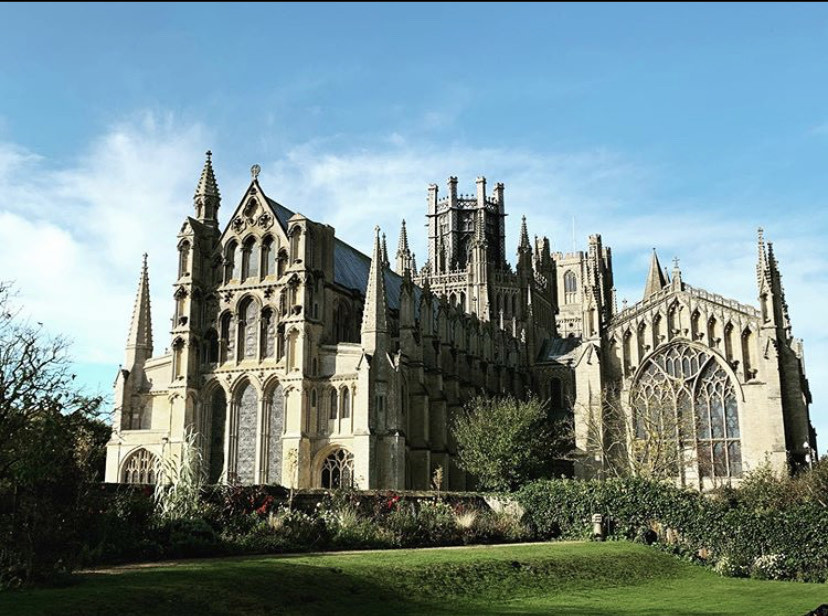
577,579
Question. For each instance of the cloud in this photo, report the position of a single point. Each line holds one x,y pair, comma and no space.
73,234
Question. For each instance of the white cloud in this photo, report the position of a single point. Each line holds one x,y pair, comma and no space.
73,236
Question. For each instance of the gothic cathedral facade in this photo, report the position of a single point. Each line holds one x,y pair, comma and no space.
297,360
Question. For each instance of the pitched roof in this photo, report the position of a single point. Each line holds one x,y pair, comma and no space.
351,266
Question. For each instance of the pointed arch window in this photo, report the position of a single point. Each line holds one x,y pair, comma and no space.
280,341
178,358
333,405
140,467
570,287
215,437
250,261
229,260
295,237
212,355
346,403
184,259
281,263
684,397
267,256
228,337
338,470
268,341
247,328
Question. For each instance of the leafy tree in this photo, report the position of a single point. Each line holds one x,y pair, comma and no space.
505,442
51,447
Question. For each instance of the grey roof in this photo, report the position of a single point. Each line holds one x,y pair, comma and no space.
351,267
282,213
555,348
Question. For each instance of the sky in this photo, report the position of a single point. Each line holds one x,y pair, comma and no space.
682,127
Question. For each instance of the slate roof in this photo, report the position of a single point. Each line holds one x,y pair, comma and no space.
554,349
351,267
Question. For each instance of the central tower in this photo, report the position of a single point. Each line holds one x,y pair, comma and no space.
452,222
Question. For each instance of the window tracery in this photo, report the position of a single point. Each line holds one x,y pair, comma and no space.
686,391
141,467
338,470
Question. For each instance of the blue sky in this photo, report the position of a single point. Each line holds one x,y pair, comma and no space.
679,126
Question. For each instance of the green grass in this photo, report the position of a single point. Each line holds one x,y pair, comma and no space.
575,579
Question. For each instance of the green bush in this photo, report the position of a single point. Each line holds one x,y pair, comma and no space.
732,529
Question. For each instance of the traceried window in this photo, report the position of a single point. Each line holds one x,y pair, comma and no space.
685,392
338,470
140,467
570,287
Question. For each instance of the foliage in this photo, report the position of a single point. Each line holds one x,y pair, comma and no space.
180,497
505,442
739,527
50,450
639,441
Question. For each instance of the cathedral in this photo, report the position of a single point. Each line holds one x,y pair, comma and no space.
295,359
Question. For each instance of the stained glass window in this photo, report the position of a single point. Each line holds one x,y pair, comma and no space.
682,382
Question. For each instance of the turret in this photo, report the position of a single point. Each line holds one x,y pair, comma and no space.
405,260
207,199
374,316
656,280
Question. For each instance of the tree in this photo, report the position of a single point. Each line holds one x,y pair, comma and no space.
647,438
50,449
505,442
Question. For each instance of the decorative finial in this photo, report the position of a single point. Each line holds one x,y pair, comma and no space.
377,231
145,259
675,262
254,171
209,155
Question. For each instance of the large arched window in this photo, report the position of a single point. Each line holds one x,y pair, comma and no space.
218,419
248,329
246,409
140,467
683,395
570,287
338,470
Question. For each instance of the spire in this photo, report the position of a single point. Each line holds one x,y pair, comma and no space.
655,277
524,235
374,313
385,261
405,260
402,246
207,198
139,341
